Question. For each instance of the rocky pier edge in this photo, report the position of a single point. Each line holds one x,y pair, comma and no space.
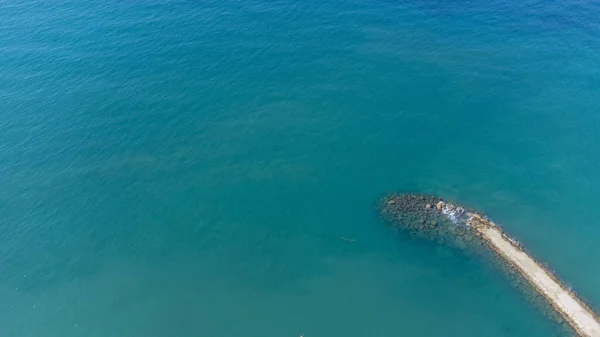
436,219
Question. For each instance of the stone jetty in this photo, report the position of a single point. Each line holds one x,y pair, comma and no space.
436,219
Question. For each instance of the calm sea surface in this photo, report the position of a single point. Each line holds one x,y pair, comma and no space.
187,168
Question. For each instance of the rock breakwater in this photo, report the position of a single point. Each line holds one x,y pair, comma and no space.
436,219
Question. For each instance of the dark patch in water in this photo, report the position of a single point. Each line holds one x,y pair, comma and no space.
419,215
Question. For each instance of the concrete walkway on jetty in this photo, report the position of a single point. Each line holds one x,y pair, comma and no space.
579,316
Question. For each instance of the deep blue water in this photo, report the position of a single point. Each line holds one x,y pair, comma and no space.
187,168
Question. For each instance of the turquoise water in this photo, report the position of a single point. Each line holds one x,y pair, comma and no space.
179,168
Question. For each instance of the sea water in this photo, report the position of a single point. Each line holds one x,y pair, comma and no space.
189,168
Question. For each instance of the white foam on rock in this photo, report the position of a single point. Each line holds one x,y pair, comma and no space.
454,213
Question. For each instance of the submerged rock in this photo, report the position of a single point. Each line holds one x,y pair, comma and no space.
444,223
